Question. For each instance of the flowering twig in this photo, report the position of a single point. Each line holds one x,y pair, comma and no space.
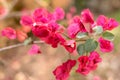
18,45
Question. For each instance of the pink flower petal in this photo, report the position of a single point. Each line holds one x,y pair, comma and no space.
59,13
62,72
105,45
107,24
87,16
9,33
35,49
70,46
73,29
112,23
26,21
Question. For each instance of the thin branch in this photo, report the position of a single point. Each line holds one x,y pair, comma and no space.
66,35
18,45
78,40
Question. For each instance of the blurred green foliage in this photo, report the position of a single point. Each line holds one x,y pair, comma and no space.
80,4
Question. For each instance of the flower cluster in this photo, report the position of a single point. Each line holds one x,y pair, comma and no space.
44,25
88,63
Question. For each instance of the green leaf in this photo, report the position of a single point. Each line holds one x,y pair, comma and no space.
98,30
90,45
108,36
81,35
81,49
27,41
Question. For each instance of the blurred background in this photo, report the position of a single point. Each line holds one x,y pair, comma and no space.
16,64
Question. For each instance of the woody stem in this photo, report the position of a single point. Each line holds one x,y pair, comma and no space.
18,45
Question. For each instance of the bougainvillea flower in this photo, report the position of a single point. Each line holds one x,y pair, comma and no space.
87,16
54,26
72,30
26,21
112,23
88,63
94,56
75,26
70,46
105,45
76,19
94,59
83,60
83,68
107,24
62,72
41,31
40,15
59,13
54,39
102,20
48,33
9,33
35,49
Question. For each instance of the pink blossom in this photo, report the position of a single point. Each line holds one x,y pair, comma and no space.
112,23
59,13
94,59
88,63
54,26
83,68
35,49
94,56
48,33
102,20
107,24
9,33
62,72
40,15
70,46
76,19
41,31
54,39
87,16
72,30
105,45
26,21
75,27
